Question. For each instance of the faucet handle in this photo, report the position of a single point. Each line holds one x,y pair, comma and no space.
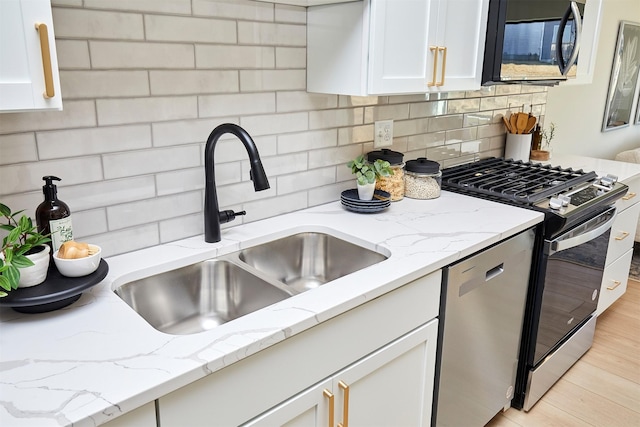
229,215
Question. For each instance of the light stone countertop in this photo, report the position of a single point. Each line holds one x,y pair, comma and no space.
89,362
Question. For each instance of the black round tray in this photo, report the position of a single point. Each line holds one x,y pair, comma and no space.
55,292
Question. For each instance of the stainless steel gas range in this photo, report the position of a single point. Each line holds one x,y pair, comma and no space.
568,258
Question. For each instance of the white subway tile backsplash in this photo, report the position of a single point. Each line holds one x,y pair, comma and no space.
291,57
144,83
271,34
291,14
185,82
306,180
105,54
137,110
236,104
99,194
186,29
75,114
180,7
88,141
267,80
275,124
25,177
103,84
235,9
18,148
143,162
234,57
184,131
97,24
307,141
301,100
73,54
152,210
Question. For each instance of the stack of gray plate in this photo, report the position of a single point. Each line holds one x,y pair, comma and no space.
350,200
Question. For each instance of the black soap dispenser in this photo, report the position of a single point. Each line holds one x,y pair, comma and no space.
53,215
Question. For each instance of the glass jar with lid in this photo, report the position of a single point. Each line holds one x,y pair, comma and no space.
422,179
393,184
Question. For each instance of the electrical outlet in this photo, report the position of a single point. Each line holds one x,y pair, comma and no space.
383,133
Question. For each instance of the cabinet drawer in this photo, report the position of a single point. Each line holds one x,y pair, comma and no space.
623,233
632,196
614,281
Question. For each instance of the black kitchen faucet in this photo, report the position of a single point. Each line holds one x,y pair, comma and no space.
213,217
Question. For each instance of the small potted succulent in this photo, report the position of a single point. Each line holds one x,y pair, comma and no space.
366,174
24,254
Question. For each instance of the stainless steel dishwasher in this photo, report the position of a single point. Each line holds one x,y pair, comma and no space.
481,315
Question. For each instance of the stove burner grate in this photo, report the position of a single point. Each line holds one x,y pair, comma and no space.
522,182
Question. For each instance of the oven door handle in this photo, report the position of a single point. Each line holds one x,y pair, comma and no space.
561,245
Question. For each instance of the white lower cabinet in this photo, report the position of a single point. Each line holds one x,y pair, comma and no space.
377,361
393,386
620,249
144,416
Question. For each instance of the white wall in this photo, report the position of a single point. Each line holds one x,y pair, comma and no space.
578,111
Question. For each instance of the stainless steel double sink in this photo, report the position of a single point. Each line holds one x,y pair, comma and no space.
201,296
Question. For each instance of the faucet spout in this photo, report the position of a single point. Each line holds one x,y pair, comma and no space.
212,215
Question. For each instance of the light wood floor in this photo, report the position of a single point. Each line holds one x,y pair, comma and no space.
603,387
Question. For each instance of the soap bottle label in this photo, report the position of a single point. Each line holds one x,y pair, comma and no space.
61,231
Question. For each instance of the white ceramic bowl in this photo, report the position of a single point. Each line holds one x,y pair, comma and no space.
78,267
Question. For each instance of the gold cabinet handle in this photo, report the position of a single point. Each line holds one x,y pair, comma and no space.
629,196
434,49
329,396
623,235
444,63
345,404
616,283
43,32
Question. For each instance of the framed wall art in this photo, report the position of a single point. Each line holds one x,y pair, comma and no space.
624,78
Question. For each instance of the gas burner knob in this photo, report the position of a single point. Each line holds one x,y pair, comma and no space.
555,203
565,200
608,180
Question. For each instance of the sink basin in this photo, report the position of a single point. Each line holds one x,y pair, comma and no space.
199,297
307,260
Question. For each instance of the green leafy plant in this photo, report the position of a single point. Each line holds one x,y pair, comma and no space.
21,240
367,172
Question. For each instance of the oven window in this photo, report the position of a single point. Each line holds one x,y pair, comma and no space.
571,287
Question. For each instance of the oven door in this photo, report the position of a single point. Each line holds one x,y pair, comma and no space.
574,268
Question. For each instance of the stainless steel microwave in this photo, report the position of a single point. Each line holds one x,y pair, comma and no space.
532,41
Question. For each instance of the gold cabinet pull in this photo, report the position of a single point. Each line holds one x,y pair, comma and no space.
623,235
616,283
444,63
43,32
345,404
629,196
329,396
434,49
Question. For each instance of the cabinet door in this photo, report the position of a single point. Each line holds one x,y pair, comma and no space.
393,386
23,65
144,416
462,29
623,232
614,281
398,45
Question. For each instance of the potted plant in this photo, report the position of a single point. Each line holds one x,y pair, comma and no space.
366,174
24,256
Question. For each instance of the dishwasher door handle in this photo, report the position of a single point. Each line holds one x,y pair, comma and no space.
477,280
495,271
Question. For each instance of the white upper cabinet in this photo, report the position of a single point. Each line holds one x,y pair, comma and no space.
28,63
588,43
378,47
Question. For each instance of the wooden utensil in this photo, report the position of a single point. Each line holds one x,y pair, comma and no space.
513,120
531,123
521,122
507,124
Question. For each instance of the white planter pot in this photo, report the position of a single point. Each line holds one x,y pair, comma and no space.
365,192
36,274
